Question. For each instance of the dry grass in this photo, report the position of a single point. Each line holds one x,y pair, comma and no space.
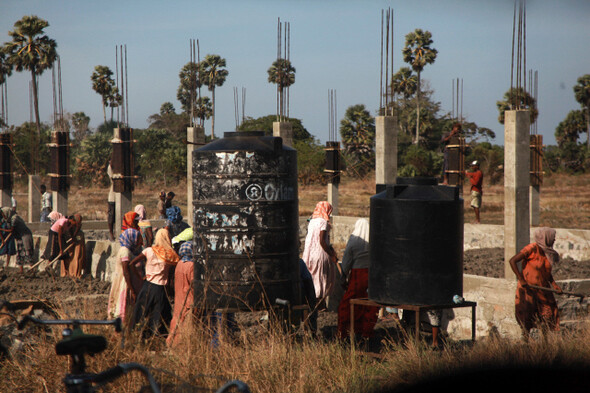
270,361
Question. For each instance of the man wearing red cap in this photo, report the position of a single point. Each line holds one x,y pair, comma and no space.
476,179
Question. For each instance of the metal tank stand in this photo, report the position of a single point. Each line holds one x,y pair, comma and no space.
416,308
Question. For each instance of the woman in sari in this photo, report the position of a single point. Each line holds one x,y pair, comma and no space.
56,241
152,306
534,305
145,226
183,291
355,268
318,255
122,298
75,260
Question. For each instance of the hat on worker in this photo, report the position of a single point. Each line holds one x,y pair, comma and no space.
475,163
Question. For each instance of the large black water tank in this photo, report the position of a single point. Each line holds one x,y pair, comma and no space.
416,243
246,219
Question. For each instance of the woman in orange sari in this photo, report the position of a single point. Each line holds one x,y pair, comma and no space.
536,305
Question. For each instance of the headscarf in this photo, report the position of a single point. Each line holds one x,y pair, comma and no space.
545,237
141,212
323,209
7,214
361,233
129,238
54,216
129,221
186,252
173,214
163,247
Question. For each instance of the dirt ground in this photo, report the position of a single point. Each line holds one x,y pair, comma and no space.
489,262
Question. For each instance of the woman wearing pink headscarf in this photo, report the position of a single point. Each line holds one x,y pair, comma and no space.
145,226
531,304
318,255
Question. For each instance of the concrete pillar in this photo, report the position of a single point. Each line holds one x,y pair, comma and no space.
283,129
195,136
535,204
386,130
34,198
60,202
6,198
516,184
123,204
333,197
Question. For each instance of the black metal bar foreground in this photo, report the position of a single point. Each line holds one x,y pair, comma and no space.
417,308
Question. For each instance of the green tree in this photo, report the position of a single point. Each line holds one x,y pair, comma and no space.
188,89
418,53
163,156
404,83
92,159
212,73
517,97
570,128
80,122
31,50
281,73
114,99
24,146
357,130
265,124
203,109
170,121
582,93
104,85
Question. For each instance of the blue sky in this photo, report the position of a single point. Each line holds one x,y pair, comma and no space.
334,45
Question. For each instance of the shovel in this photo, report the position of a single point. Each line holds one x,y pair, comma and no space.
580,295
52,262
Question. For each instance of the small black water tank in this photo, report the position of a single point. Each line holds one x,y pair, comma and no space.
416,243
246,222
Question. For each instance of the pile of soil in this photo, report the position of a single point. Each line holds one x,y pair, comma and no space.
489,262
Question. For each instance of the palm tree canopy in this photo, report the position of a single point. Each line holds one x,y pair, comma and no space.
102,82
357,128
417,51
571,127
404,82
212,71
582,91
30,49
282,73
517,98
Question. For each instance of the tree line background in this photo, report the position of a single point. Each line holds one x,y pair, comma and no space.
161,149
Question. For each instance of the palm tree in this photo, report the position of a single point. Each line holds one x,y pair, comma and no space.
404,83
582,92
417,53
570,128
103,84
282,73
188,88
203,109
517,98
31,50
212,73
357,130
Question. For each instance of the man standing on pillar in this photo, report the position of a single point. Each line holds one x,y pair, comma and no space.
476,179
111,204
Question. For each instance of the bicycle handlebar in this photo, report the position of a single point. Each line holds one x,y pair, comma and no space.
115,372
76,322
